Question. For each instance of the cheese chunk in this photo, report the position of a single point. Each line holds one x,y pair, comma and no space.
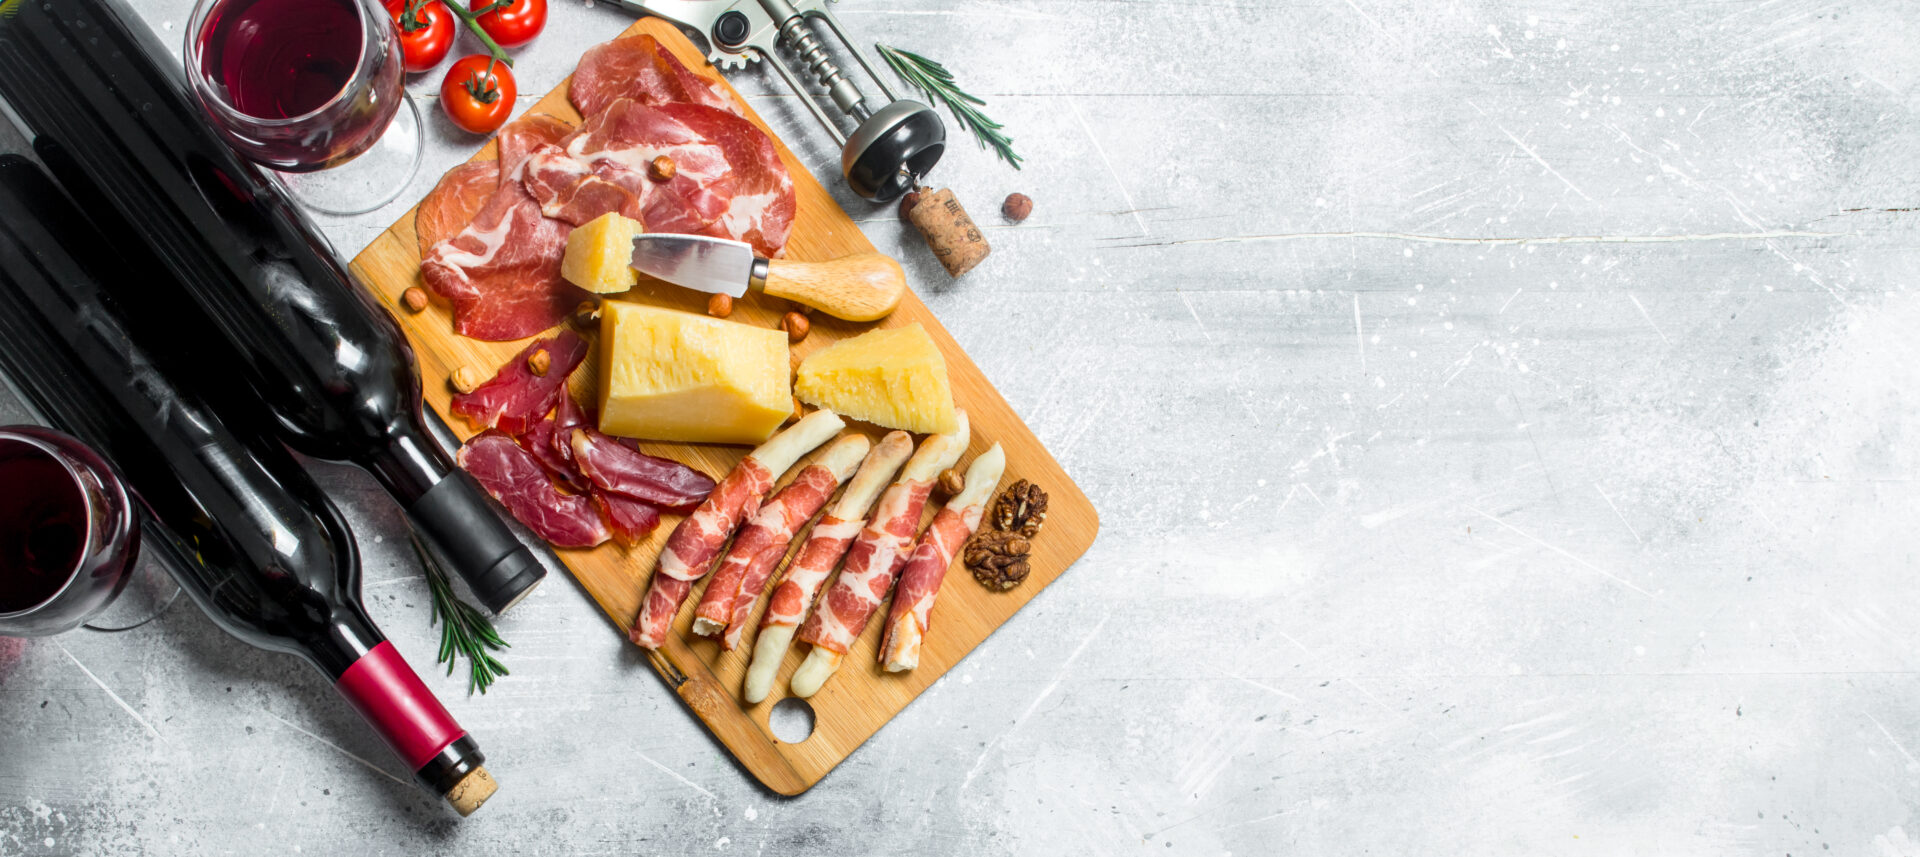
671,375
600,253
894,377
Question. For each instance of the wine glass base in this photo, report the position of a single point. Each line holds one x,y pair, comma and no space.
378,176
147,594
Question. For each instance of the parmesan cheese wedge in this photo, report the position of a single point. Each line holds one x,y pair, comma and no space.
671,375
600,254
894,377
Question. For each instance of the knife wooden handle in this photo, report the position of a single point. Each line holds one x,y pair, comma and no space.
861,287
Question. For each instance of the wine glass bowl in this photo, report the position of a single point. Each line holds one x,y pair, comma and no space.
306,86
69,532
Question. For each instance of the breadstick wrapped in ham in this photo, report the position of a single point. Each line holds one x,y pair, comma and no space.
876,556
920,580
736,583
825,545
699,538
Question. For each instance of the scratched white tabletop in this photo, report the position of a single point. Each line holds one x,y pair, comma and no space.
1503,418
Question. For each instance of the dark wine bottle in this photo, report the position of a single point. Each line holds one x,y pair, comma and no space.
110,110
237,521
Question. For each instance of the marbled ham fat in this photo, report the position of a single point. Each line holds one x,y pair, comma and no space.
694,544
742,575
452,203
920,578
502,272
523,136
876,556
824,547
640,68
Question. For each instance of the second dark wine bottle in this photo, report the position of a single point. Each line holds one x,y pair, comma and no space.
110,113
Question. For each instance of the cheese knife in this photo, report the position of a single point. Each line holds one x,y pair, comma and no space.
860,287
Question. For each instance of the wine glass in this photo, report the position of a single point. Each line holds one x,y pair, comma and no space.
69,536
313,90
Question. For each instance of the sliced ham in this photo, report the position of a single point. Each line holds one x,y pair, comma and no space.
628,519
912,610
538,442
452,203
502,272
567,416
617,468
524,135
512,476
640,68
515,398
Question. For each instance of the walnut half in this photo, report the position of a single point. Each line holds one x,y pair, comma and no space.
1021,509
998,559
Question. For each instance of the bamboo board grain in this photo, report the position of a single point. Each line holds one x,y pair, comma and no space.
861,698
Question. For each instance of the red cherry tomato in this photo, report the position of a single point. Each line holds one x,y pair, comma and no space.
425,29
512,22
478,93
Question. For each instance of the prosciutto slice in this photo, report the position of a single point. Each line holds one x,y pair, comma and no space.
698,539
502,272
742,575
728,181
617,468
538,442
512,476
515,398
452,203
912,608
524,135
876,556
640,68
629,520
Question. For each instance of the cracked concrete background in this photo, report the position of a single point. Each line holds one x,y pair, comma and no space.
1502,417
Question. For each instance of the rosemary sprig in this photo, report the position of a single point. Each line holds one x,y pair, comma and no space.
464,630
934,79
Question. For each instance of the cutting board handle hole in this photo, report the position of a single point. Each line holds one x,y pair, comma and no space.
791,720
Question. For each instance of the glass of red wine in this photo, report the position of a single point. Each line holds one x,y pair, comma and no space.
312,89
69,534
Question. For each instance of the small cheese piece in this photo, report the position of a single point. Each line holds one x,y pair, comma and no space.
671,375
600,254
894,377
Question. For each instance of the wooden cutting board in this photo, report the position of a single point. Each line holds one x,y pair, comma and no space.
861,698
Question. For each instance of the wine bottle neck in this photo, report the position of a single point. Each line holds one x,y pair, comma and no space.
410,465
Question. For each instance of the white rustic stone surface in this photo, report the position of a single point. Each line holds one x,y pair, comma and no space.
1502,415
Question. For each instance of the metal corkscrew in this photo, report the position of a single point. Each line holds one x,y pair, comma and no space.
890,147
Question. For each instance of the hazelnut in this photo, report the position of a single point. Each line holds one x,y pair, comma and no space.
540,361
415,298
660,169
907,203
796,326
587,314
466,379
720,306
951,482
1017,207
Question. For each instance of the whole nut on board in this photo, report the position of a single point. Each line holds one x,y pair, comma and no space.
539,362
1017,207
998,559
720,305
661,168
951,482
466,379
415,299
796,326
1021,509
587,314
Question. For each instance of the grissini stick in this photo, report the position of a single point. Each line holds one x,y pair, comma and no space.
825,545
877,554
698,539
912,609
742,574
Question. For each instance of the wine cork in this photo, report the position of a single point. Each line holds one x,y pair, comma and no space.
956,242
472,791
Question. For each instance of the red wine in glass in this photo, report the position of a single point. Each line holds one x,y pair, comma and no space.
302,86
69,532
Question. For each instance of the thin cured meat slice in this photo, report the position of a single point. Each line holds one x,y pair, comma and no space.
698,539
502,272
628,519
640,68
617,468
876,556
912,610
742,575
538,442
524,135
728,180
567,416
515,398
452,203
512,476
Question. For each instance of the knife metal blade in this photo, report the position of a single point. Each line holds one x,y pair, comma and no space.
715,265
